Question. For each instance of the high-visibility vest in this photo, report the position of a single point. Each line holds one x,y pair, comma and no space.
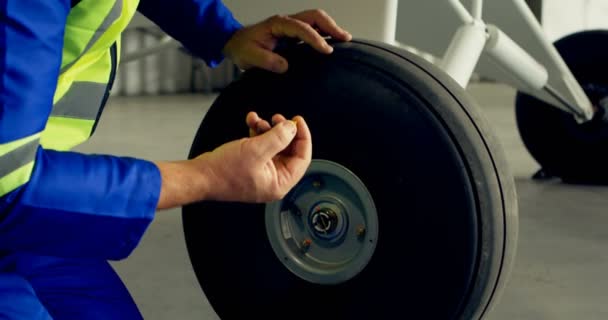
88,66
90,57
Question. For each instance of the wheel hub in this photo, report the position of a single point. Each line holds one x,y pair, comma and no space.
324,221
325,230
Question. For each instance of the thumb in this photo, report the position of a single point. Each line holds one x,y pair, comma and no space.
276,139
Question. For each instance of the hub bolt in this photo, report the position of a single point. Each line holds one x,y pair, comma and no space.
306,244
360,231
317,184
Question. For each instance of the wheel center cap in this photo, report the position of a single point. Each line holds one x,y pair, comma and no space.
325,230
324,221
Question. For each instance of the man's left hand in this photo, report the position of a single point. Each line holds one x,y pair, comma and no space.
253,46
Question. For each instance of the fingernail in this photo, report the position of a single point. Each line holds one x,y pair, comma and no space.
291,125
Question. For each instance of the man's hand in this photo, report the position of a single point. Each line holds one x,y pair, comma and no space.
252,46
261,168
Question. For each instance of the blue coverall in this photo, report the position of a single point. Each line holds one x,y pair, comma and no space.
77,211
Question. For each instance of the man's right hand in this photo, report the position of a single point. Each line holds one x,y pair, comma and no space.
261,168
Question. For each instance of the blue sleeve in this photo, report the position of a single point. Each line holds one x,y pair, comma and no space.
73,205
202,26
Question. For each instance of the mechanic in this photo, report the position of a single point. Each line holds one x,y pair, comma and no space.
64,214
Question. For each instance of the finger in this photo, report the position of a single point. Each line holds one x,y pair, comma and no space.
256,124
251,119
324,22
296,162
294,28
303,130
263,58
301,146
275,140
277,118
262,126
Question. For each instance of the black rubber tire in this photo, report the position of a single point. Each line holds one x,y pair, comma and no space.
446,202
574,152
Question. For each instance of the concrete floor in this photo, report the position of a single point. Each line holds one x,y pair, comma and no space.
560,271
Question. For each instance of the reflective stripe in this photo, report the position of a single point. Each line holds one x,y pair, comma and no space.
8,147
18,157
16,178
81,101
112,16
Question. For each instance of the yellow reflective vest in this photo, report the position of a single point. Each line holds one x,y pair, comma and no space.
90,58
